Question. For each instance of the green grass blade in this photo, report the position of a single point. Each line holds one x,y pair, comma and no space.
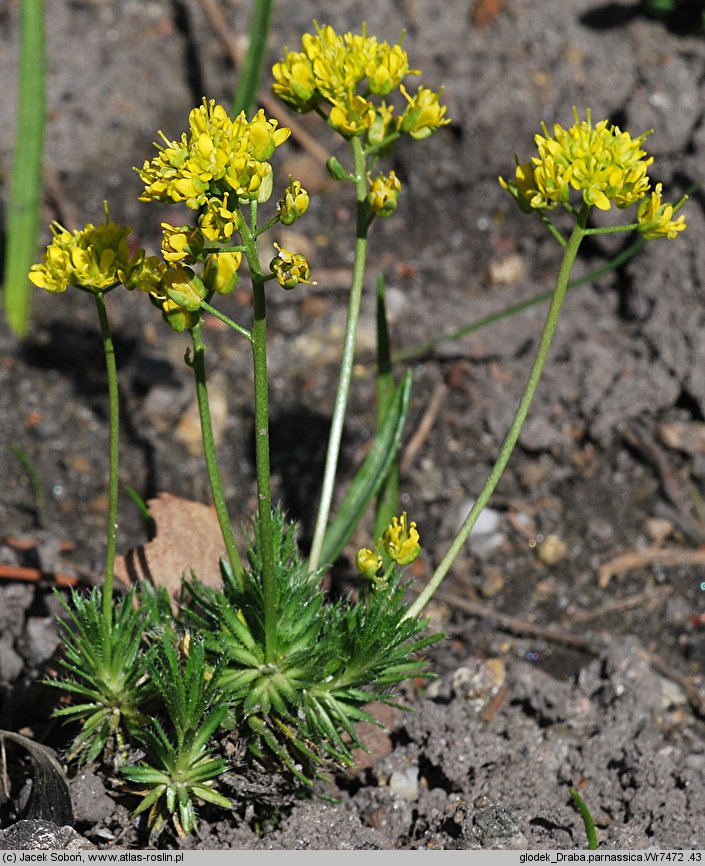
35,480
251,72
419,350
587,819
370,475
142,507
388,497
26,182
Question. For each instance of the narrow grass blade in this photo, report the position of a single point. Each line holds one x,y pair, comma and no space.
587,818
388,496
35,479
142,507
251,73
419,350
370,476
26,182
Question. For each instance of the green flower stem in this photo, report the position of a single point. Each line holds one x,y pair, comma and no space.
113,457
346,365
264,490
569,255
198,365
226,319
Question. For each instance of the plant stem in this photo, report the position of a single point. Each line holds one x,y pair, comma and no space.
569,255
264,489
199,369
113,457
226,320
346,364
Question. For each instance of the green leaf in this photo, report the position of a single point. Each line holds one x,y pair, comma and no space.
371,474
26,184
387,503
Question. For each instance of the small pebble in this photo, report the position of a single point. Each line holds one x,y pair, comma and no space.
405,783
552,550
658,529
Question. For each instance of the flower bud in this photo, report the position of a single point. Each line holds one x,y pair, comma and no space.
336,169
368,563
183,287
384,194
294,203
220,272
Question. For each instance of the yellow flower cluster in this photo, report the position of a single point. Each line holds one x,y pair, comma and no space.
344,71
94,258
400,544
217,154
605,164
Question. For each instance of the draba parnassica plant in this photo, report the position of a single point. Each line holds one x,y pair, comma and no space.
268,655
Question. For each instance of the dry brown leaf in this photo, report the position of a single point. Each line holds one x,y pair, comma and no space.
187,539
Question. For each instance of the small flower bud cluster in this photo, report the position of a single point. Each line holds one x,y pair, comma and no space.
353,74
399,545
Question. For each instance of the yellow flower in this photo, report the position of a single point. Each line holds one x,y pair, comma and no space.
294,82
352,115
605,164
249,179
368,563
220,272
424,114
388,68
401,540
263,137
655,218
218,223
384,194
290,268
294,203
523,187
93,258
145,274
181,244
386,123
